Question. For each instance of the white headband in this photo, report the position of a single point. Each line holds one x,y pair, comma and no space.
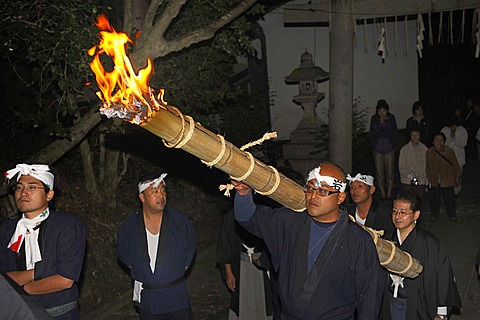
331,181
365,178
38,171
154,183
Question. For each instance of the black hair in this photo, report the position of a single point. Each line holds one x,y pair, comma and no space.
416,129
410,196
47,189
440,134
453,120
416,105
382,104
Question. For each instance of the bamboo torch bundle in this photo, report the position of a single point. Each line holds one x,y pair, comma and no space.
392,258
134,102
213,150
179,131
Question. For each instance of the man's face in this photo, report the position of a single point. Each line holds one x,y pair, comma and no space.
415,137
325,209
154,199
360,192
438,142
404,218
33,202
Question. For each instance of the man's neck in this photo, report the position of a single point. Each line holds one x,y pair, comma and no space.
364,207
405,232
33,214
153,221
332,217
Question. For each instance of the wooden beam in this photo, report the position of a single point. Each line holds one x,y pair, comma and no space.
319,13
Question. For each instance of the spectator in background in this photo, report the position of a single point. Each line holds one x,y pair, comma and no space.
383,129
238,254
412,164
364,208
443,174
472,124
458,115
420,122
477,143
457,138
468,110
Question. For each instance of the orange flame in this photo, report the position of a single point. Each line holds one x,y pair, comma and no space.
133,99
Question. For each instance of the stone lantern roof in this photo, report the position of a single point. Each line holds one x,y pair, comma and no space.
307,71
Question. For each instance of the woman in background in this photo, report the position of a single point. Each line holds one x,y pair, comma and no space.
383,128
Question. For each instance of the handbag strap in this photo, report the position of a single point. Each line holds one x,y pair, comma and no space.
441,155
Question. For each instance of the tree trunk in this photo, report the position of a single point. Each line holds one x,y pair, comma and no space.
109,172
88,171
134,16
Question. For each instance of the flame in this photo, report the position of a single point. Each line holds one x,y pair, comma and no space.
133,99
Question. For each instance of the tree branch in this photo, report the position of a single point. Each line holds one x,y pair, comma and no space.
170,13
153,45
150,16
58,148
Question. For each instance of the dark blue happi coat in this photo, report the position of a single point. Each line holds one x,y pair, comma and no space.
62,238
175,252
346,280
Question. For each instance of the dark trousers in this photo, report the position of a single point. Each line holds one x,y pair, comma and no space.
70,315
183,314
398,307
448,198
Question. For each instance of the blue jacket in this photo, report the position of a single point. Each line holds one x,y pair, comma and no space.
62,239
175,253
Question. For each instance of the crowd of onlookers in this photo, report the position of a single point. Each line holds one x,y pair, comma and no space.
431,160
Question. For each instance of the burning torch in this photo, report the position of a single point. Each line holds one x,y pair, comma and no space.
126,94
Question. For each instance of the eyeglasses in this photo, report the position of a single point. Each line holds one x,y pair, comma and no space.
319,191
394,212
29,188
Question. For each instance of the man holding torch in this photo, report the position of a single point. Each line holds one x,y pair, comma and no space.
327,265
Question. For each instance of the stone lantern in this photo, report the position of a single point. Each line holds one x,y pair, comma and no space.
302,152
307,76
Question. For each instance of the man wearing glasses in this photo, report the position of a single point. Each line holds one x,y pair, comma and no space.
434,293
43,250
327,265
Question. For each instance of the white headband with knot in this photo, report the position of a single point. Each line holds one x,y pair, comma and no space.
331,181
38,171
154,183
365,178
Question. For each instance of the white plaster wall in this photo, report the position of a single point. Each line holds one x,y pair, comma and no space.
396,80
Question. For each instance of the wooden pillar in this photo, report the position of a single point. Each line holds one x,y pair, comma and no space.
342,25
